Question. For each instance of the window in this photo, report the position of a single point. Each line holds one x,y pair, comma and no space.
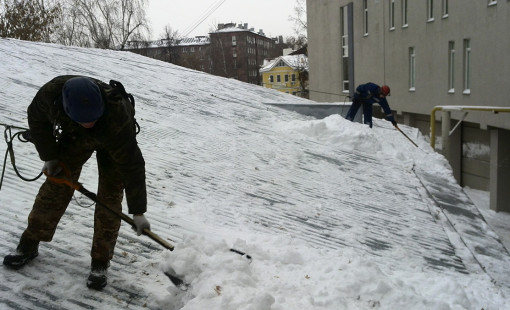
493,2
278,78
234,52
467,66
344,33
286,78
345,48
365,17
412,69
271,79
293,77
404,14
430,10
445,8
392,14
234,41
451,66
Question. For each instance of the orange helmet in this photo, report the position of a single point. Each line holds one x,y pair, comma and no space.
385,90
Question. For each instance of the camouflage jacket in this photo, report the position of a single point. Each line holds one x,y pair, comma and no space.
114,133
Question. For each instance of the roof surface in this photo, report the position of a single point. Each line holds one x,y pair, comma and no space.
208,174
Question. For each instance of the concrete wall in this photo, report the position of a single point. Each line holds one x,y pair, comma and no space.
382,56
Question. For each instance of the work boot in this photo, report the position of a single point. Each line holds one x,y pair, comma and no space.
98,275
26,251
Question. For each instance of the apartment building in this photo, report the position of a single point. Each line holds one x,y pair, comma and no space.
191,53
452,53
239,52
232,51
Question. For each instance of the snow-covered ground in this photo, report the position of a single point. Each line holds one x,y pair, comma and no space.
331,212
499,221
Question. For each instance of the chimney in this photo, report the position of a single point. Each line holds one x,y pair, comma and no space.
221,26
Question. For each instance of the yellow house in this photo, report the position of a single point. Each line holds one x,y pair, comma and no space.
288,74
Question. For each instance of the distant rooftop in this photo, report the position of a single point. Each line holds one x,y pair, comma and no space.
230,27
293,61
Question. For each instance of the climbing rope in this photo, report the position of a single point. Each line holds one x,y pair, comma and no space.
22,135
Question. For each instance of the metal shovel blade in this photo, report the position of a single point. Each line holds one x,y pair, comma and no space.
178,282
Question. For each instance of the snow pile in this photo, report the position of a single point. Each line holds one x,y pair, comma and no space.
287,274
383,141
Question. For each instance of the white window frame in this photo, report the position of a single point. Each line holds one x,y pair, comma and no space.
345,45
445,7
451,67
365,18
345,49
405,16
467,67
234,41
392,14
344,33
412,69
430,11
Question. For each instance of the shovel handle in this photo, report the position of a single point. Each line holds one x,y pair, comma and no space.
405,135
79,187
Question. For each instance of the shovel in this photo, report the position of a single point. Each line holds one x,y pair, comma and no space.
406,135
178,282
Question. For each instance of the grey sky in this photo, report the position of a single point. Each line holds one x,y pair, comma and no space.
272,16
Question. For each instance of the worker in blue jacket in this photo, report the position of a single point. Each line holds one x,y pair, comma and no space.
366,95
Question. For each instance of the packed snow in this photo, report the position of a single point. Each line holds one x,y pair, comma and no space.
228,141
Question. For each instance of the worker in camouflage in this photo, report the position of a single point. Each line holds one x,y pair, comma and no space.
69,118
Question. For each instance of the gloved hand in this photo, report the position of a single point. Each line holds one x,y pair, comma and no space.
52,167
140,223
391,118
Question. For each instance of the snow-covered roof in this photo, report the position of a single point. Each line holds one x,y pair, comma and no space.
198,40
232,27
335,215
293,61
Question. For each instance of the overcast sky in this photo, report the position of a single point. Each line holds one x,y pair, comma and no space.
272,16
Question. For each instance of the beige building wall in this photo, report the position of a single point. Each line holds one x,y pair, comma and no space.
382,56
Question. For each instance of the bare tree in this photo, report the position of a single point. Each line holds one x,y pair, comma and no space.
300,24
295,42
170,38
106,23
71,30
133,19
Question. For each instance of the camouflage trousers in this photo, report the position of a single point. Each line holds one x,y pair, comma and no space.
52,200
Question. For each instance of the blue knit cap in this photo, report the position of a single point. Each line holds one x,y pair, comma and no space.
82,100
